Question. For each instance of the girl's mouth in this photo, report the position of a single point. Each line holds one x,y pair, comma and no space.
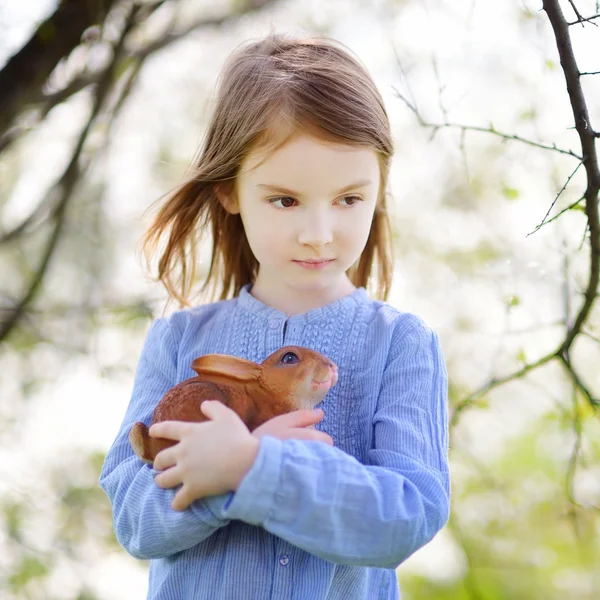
314,264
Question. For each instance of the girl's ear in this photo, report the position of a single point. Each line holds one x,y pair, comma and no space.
226,195
225,368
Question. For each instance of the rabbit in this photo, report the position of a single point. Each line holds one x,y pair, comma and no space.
291,378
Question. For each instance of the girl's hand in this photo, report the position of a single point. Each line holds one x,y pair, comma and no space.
295,426
211,458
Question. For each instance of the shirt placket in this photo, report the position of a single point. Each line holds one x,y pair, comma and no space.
275,334
284,566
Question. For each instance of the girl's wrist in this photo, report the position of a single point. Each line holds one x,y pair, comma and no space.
245,457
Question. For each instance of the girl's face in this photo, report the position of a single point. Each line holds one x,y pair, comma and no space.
310,200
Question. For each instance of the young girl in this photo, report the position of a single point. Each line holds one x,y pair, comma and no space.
291,183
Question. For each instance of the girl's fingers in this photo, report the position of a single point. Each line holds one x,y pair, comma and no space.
214,409
169,478
171,430
321,436
183,498
299,418
311,435
165,459
308,417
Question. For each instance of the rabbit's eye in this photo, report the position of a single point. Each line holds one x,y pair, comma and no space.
289,358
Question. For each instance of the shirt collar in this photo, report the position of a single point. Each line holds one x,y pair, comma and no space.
246,301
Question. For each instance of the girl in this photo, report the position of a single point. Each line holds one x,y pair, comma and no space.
291,183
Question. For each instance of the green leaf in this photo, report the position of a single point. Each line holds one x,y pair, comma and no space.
30,568
510,193
528,115
482,402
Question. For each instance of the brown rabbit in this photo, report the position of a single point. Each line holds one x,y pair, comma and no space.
291,378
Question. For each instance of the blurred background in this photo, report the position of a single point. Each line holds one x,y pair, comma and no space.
102,107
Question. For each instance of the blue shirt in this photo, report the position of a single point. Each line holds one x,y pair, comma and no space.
309,521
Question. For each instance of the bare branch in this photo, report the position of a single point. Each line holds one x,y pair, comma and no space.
64,188
587,137
582,20
591,336
574,458
573,461
590,73
24,74
593,402
491,130
555,200
494,383
577,13
46,102
564,210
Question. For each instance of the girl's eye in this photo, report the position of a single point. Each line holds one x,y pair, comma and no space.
286,201
289,358
352,200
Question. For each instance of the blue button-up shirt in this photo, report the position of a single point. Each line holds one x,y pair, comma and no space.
309,521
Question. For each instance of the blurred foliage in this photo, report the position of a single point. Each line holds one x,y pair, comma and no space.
525,520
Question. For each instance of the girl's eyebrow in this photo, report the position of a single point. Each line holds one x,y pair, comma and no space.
282,190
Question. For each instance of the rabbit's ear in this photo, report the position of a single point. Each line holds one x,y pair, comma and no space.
228,368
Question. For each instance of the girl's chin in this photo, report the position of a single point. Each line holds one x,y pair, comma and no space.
309,281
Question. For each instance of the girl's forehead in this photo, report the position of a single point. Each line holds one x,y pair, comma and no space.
300,149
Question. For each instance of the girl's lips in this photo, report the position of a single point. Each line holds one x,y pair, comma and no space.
314,264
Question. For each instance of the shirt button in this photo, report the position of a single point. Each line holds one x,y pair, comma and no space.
283,560
274,325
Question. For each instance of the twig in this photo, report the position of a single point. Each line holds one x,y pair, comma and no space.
555,200
572,466
590,73
591,336
583,20
564,210
484,130
593,402
577,13
496,382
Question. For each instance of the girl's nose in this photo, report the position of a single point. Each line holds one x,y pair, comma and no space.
316,232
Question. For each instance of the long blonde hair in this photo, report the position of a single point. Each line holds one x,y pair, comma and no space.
280,82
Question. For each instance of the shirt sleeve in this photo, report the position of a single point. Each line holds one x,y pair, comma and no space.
143,520
326,502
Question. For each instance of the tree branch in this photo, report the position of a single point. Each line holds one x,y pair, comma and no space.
496,382
64,189
582,20
491,130
576,11
588,146
45,102
544,221
24,74
566,361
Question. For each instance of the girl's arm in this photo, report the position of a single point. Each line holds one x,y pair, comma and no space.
326,502
144,522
